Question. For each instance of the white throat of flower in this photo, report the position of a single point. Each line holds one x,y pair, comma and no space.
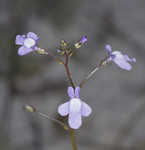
75,105
117,54
29,42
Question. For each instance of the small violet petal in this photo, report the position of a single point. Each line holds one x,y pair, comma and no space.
77,92
86,109
108,49
63,109
20,39
129,59
84,39
134,60
122,63
24,50
32,35
75,120
58,50
70,92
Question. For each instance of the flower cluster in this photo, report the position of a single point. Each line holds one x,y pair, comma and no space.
75,108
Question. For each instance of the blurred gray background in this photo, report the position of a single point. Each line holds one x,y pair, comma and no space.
117,97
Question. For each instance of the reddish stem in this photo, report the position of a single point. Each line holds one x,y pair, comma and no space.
67,70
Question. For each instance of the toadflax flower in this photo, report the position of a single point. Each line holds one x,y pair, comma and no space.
120,59
75,108
83,39
28,43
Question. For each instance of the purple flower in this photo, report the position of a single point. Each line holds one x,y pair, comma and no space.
28,43
83,39
120,59
75,108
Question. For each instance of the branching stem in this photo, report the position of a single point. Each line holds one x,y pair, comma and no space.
101,64
67,70
71,131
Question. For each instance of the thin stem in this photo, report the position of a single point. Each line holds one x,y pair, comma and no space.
71,131
101,64
56,58
73,139
89,76
67,55
45,52
32,109
69,76
68,71
52,119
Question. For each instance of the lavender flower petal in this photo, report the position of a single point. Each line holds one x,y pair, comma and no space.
75,120
129,59
20,39
24,50
84,39
63,109
58,50
32,35
86,110
77,92
134,60
70,92
122,63
108,49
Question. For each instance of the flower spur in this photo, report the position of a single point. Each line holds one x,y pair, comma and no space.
75,108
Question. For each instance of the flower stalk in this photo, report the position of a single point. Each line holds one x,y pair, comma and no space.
98,67
32,109
71,131
67,70
75,108
73,139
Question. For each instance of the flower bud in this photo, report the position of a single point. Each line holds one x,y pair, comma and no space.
29,108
